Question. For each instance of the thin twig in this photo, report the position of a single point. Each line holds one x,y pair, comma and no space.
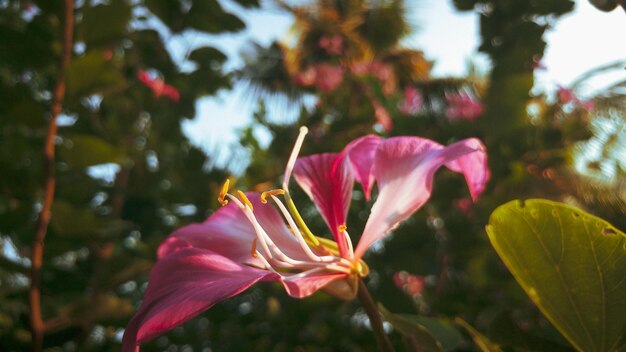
382,340
36,321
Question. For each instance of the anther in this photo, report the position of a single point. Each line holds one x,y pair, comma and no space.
242,197
222,197
273,192
342,228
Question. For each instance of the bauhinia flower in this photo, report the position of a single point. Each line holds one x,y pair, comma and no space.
158,86
248,240
462,106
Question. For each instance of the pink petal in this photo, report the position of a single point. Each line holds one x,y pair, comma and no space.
170,92
473,166
328,182
360,154
229,233
300,286
404,168
184,284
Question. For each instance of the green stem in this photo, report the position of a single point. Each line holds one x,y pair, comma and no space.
382,340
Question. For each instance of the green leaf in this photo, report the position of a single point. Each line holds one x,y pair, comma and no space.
571,264
70,221
85,151
90,74
103,24
207,55
422,338
481,341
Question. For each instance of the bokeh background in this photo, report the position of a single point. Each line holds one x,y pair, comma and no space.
165,99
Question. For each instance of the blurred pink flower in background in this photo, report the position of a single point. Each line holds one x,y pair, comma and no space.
413,101
382,116
333,45
462,106
323,76
567,96
158,86
413,285
382,71
465,206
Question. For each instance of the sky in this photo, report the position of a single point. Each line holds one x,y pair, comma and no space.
580,41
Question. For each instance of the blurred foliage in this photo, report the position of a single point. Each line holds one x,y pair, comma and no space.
127,176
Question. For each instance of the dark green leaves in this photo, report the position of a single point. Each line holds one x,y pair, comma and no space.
85,150
571,264
428,334
90,74
103,24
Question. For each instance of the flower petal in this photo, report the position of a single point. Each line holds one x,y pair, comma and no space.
404,168
329,183
229,233
361,154
184,284
329,178
303,285
473,166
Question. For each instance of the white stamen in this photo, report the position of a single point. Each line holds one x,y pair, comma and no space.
349,242
262,259
257,227
298,234
279,258
294,155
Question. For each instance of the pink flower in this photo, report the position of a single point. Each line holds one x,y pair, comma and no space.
588,105
333,45
328,77
325,77
462,106
465,206
412,102
566,95
413,285
158,86
382,71
382,116
248,241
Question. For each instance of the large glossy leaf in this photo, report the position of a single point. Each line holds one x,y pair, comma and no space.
571,264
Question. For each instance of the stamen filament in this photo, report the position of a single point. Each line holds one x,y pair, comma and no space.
257,227
348,241
266,242
298,235
301,224
292,158
265,263
254,252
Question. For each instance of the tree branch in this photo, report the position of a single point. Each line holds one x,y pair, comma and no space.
34,296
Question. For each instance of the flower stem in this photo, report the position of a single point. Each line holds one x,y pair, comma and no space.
382,340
